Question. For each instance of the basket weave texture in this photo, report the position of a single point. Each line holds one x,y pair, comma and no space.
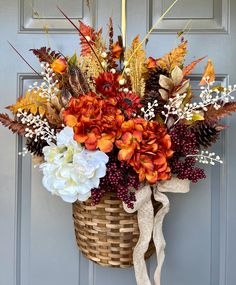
105,233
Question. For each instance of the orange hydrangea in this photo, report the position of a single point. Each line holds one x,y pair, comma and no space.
146,146
96,121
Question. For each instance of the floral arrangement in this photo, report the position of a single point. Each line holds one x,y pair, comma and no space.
113,119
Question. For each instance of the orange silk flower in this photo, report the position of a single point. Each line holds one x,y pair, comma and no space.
96,121
59,65
146,146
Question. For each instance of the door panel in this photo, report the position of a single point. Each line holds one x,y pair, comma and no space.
37,243
199,225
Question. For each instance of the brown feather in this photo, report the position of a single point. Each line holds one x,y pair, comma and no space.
226,110
13,125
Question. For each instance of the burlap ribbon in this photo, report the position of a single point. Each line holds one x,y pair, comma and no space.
150,226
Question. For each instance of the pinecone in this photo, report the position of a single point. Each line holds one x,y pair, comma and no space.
207,132
36,147
152,83
150,97
152,91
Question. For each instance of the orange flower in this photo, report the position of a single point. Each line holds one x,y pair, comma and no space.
59,65
146,146
96,121
209,73
116,51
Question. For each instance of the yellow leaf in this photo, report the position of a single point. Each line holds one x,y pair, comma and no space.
218,88
41,110
174,58
31,102
33,109
188,96
196,117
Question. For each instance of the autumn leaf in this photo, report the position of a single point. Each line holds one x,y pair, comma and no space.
90,35
136,57
195,117
32,102
151,63
174,58
226,110
188,69
177,76
209,73
117,50
111,34
54,113
13,125
45,54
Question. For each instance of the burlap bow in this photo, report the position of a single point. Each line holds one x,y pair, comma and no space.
150,226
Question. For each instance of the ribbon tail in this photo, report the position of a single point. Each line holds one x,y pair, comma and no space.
145,222
158,236
145,210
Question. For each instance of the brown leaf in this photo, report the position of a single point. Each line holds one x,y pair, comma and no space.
111,34
226,110
12,125
45,54
53,116
188,69
77,81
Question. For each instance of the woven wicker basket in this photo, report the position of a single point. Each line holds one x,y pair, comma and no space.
105,233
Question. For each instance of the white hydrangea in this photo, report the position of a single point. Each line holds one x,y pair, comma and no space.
70,171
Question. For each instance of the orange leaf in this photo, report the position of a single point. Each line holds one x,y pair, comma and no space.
116,51
188,69
151,63
90,34
209,73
